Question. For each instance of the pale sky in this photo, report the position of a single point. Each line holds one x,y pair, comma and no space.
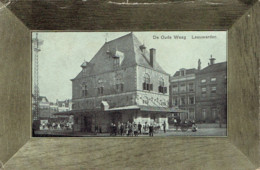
62,53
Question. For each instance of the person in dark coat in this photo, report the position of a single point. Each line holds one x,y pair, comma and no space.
139,128
164,127
151,130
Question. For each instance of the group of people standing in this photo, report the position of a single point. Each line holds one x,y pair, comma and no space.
128,129
62,125
132,129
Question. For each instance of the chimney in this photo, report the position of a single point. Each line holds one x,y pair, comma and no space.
212,60
199,65
152,56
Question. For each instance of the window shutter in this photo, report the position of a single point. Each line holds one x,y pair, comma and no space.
159,89
151,86
144,86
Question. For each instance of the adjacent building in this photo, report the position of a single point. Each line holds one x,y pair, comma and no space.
211,92
201,92
47,108
65,105
183,86
122,82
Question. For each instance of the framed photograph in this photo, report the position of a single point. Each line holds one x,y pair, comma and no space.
129,84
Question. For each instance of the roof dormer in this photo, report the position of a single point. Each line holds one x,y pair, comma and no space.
84,64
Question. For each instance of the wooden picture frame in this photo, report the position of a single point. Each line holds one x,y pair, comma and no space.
240,150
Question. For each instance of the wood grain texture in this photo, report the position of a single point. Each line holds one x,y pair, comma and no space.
141,153
14,84
101,15
243,84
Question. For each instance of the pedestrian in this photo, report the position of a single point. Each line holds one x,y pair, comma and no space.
139,128
135,130
118,127
151,130
122,129
164,127
127,129
130,130
115,129
194,127
111,129
96,129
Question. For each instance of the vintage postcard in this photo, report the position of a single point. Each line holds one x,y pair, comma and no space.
129,84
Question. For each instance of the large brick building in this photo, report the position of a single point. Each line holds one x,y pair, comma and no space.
211,92
122,82
201,92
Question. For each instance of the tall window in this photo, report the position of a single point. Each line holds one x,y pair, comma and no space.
191,87
204,114
100,87
146,84
116,62
183,87
84,89
191,113
214,113
175,101
203,91
182,101
174,88
191,100
162,88
119,84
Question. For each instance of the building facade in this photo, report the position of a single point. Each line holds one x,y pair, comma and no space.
65,105
122,82
211,92
201,92
183,87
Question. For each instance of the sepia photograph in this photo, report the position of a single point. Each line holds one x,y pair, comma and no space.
129,84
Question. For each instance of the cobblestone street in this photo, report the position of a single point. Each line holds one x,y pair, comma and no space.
200,132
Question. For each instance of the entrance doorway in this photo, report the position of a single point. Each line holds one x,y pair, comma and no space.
87,120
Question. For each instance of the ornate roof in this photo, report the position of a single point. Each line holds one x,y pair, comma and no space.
128,48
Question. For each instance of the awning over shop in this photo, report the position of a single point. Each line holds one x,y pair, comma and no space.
133,107
161,109
148,109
